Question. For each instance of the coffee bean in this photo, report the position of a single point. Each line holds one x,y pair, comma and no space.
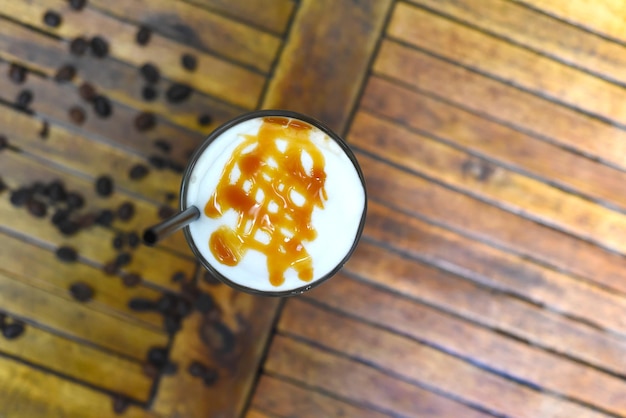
169,368
87,92
38,188
150,371
67,254
20,197
79,46
102,106
204,120
169,196
78,4
163,145
24,98
145,121
4,142
13,330
3,185
183,307
126,211
177,93
179,276
167,303
65,73
123,259
99,47
3,320
210,377
17,73
104,186
120,404
86,220
171,324
157,162
204,303
150,72
110,268
175,166
142,305
68,227
81,291
166,212
138,171
52,19
189,62
59,216
133,239
210,279
197,369
149,93
131,280
77,115
157,356
45,130
56,191
75,200
143,35
118,241
105,217
37,208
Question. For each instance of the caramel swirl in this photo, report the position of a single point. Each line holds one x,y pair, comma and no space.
267,184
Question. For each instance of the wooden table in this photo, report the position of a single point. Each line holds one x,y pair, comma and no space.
490,280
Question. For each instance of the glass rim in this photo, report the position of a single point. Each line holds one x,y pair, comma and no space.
207,142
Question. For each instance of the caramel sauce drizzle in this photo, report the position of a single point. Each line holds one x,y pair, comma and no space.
262,195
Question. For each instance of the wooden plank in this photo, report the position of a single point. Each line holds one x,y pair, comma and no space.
226,81
495,184
321,61
286,399
255,413
492,310
605,18
357,382
507,273
478,220
77,320
546,35
485,96
507,62
195,27
271,15
80,362
418,362
236,353
423,114
28,393
40,267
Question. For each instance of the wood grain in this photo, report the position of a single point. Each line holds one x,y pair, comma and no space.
321,61
493,99
255,413
507,62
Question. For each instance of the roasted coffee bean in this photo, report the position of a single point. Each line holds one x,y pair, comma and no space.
59,216
3,185
86,220
67,254
4,142
157,356
79,46
171,324
77,115
167,303
87,92
179,276
105,217
75,200
110,268
204,303
150,72
45,130
150,371
131,280
204,120
37,208
149,93
143,35
118,241
169,368
210,279
183,307
52,19
68,227
177,93
13,330
210,377
24,98
169,196
138,171
17,73
99,47
38,188
133,239
104,186
126,211
145,121
56,191
157,162
65,73
102,106
163,145
123,259
81,291
120,404
189,62
142,304
20,197
166,212
197,369
78,4
3,320
176,167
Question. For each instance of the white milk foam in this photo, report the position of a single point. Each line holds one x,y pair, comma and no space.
336,224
